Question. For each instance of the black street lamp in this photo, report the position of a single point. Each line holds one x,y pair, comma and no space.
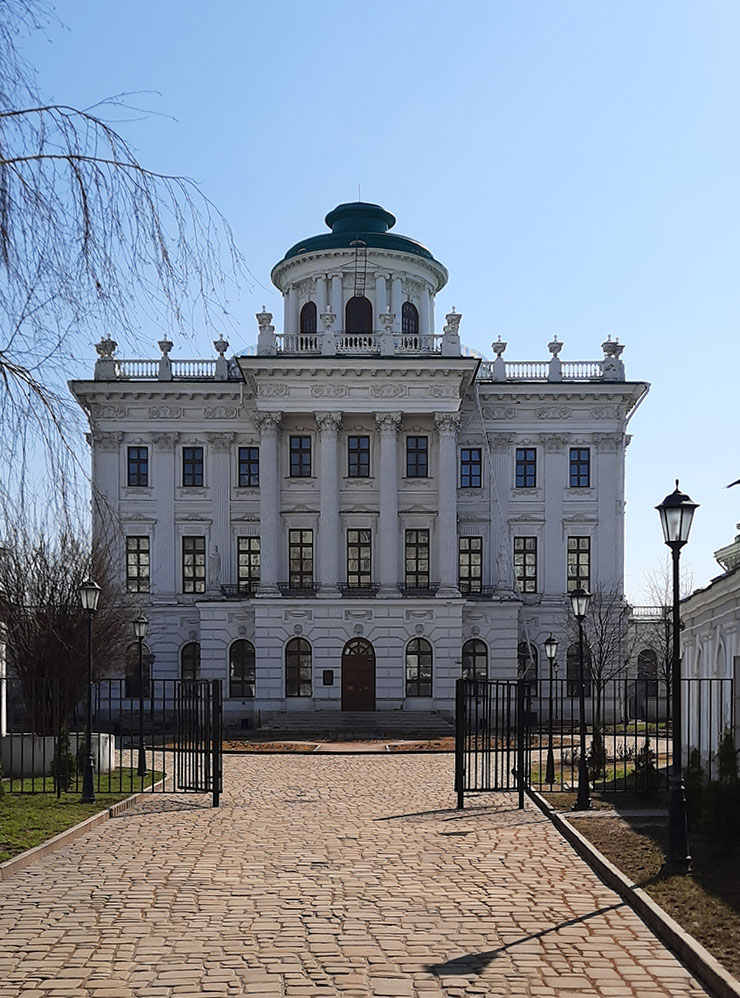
551,650
140,626
89,595
676,515
579,600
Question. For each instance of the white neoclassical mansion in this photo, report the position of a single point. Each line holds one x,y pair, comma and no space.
361,510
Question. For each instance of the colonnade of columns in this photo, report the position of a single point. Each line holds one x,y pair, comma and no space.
389,543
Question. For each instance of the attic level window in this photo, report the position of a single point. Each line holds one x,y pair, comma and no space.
192,466
300,457
308,317
409,319
358,316
138,467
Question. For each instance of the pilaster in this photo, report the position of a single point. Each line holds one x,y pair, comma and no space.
164,565
269,424
328,424
447,426
389,545
553,555
219,454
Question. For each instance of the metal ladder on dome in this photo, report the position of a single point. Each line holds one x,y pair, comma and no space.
360,267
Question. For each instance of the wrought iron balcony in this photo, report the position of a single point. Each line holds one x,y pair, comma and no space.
475,591
242,590
301,589
359,592
418,591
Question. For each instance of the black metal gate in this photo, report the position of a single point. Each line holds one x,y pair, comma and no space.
162,738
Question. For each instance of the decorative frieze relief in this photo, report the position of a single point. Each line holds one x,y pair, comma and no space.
329,391
358,614
220,412
273,391
220,442
165,412
297,615
165,441
554,412
608,412
108,411
388,391
498,411
443,391
419,615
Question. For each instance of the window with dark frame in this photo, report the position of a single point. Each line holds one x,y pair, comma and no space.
358,315
308,317
475,660
248,563
526,467
470,468
193,564
418,668
190,661
300,558
417,457
138,467
409,319
300,457
525,563
416,574
192,466
249,467
242,670
470,564
579,563
298,668
358,457
580,467
137,565
359,559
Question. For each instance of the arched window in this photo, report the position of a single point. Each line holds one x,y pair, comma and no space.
475,660
241,669
647,672
573,670
298,668
409,319
527,665
358,316
308,317
131,684
190,660
418,668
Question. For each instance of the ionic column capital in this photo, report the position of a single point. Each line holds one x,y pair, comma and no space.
447,423
328,423
388,422
268,422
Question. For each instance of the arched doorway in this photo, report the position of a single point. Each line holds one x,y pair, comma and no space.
358,675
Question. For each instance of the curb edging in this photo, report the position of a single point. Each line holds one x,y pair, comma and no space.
705,967
24,859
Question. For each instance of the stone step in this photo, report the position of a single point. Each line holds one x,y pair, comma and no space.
356,724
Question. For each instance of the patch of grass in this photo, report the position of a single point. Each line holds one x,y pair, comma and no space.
28,819
706,904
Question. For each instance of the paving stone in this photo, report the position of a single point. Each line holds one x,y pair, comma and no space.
334,875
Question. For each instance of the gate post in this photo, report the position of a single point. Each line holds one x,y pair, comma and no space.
216,748
520,712
460,742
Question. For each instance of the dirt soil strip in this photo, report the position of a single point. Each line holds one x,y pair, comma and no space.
699,960
24,859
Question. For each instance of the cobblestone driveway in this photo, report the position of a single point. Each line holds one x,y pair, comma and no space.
325,875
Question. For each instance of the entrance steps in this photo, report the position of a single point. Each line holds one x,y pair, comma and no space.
358,726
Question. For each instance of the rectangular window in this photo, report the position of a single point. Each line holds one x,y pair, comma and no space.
248,563
470,468
137,564
249,467
526,467
417,457
192,466
300,558
470,564
193,564
138,467
416,575
359,566
300,457
525,563
580,467
358,457
579,563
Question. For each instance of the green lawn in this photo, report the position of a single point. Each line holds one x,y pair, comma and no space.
28,819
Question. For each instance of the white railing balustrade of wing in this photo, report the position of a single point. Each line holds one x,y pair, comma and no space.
418,343
527,370
298,343
581,370
357,343
133,370
193,368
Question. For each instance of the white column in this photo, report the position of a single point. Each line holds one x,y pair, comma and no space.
388,542
291,310
321,299
165,556
501,484
425,318
269,423
553,558
381,298
219,488
447,426
329,540
396,302
337,302
610,503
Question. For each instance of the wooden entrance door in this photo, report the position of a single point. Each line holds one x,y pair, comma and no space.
358,675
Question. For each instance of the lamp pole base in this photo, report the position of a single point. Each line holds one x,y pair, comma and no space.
88,782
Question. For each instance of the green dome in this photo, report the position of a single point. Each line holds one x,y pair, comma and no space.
359,220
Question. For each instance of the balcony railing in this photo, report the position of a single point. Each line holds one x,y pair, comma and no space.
418,591
475,591
242,590
297,588
539,370
368,591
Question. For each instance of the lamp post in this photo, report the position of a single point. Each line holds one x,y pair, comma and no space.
579,600
676,515
89,595
551,650
140,626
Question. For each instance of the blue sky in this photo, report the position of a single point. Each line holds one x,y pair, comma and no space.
575,165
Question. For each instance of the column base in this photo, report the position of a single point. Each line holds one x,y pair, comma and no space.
448,592
267,590
327,591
